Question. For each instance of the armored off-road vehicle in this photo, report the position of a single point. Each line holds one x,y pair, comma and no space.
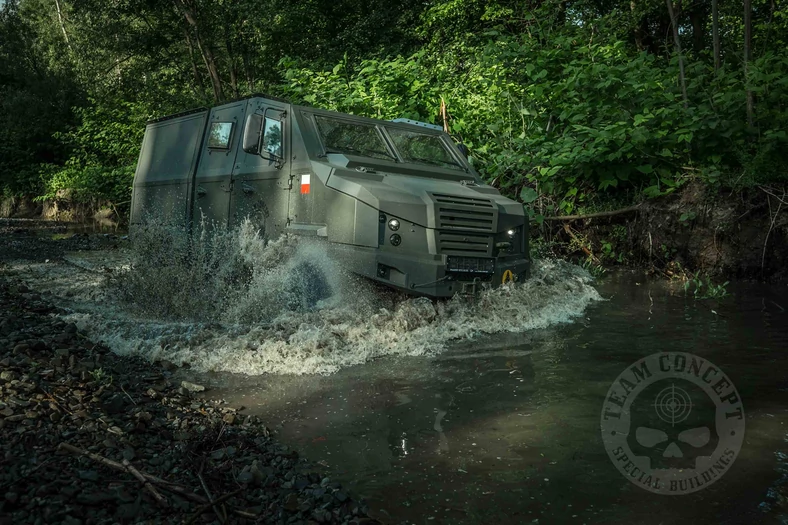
394,201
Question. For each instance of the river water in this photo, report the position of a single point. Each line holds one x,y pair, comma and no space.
505,428
472,413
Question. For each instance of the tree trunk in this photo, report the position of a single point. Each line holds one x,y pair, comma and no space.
195,70
184,7
747,54
696,19
246,61
715,32
677,46
62,25
639,34
233,70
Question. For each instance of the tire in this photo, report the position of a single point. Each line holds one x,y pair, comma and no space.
308,286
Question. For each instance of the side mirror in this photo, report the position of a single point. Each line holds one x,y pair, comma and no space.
252,131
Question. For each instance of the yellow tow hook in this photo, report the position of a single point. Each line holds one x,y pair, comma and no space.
508,277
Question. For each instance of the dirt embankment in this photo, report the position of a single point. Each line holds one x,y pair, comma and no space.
717,233
66,210
92,437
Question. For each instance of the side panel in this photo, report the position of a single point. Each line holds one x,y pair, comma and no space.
260,188
308,191
165,169
213,183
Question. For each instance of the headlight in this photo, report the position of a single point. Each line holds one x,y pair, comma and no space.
395,240
511,233
394,225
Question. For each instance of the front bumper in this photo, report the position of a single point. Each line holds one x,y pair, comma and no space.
425,275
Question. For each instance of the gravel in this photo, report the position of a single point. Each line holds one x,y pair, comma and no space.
72,412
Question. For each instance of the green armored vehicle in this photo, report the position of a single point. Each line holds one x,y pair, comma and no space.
396,202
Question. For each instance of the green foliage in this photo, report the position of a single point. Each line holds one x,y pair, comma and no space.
559,103
703,287
570,117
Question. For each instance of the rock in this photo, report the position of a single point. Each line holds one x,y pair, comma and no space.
88,475
11,497
115,404
291,503
6,412
8,375
192,387
245,477
229,419
70,328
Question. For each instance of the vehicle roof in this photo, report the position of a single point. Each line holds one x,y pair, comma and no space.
308,109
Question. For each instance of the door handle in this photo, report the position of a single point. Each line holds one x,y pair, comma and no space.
201,191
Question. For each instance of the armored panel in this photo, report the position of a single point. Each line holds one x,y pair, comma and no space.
261,185
165,169
213,182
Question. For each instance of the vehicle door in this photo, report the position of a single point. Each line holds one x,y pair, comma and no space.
214,182
262,180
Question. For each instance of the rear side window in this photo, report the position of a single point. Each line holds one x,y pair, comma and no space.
220,135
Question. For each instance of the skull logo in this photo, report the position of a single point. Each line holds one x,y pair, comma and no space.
673,422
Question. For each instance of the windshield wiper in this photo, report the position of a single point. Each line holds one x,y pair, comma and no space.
434,162
350,149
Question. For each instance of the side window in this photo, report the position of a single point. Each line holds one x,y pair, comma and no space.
220,135
272,137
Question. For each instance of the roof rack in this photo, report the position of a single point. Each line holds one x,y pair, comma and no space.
203,108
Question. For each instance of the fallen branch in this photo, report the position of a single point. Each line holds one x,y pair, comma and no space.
210,505
593,215
219,514
163,484
160,500
580,244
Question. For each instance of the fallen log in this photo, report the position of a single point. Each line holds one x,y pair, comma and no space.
593,215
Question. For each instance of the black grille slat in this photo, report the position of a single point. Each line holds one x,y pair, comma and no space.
469,201
452,243
474,214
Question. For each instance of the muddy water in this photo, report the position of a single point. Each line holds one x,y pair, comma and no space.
505,428
458,412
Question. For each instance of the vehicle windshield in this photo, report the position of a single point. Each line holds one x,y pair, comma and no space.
422,148
341,136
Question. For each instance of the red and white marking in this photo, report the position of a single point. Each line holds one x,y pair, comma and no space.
305,180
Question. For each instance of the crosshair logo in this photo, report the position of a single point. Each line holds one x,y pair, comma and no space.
673,405
672,423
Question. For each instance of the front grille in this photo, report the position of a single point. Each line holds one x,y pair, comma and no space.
465,213
463,243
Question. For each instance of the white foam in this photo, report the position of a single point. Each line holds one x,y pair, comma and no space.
243,324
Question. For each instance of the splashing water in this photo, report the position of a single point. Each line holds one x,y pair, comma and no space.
231,303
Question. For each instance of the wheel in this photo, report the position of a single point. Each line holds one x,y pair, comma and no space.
308,285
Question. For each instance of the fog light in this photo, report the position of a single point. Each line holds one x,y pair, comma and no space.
394,225
395,240
511,233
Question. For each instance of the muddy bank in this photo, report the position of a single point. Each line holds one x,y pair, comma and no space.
65,210
721,234
64,398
